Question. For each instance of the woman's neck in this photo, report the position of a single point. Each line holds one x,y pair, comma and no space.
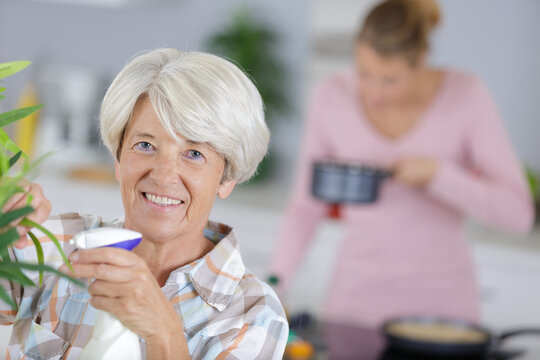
164,257
419,95
399,118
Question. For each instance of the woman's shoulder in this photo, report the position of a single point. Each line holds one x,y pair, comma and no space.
253,324
259,299
463,82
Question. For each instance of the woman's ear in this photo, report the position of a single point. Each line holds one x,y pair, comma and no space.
225,189
117,170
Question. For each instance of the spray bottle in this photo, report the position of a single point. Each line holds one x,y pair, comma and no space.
110,339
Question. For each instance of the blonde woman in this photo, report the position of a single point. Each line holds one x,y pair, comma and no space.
439,131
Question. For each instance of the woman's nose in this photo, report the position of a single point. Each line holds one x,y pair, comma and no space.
165,170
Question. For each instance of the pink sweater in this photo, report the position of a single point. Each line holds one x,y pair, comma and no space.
406,253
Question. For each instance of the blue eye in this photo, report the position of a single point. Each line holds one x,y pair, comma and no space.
194,154
144,146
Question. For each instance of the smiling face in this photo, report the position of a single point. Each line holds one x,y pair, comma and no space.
168,185
384,81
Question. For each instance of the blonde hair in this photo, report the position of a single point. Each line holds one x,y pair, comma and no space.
400,28
199,96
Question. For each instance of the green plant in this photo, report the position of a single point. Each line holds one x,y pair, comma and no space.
14,166
534,183
251,45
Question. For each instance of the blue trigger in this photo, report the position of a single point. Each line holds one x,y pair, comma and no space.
127,244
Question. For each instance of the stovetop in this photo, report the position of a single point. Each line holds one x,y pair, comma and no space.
389,354
335,341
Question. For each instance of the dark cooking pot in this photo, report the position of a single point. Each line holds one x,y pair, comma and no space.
336,182
440,338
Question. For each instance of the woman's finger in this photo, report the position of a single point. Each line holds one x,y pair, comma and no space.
107,288
42,209
14,202
21,243
100,271
16,198
23,239
20,204
107,255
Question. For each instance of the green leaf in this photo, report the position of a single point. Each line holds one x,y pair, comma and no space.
14,115
10,185
4,254
37,267
4,162
39,253
13,67
12,215
2,89
32,224
7,299
29,166
15,274
9,188
2,97
7,143
13,160
8,238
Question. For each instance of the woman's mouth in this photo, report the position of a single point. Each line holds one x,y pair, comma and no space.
162,200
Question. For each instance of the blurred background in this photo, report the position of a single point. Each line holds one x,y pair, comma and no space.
77,46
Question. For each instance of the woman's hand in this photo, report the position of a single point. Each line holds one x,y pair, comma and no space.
415,171
125,287
42,208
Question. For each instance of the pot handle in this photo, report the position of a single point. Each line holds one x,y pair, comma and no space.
385,174
500,354
518,332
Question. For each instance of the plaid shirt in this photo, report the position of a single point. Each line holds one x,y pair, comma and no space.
226,311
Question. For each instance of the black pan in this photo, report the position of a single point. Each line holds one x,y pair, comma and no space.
441,338
336,182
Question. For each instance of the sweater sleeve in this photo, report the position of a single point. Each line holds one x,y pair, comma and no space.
303,211
492,187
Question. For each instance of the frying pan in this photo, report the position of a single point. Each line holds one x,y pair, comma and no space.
443,338
336,182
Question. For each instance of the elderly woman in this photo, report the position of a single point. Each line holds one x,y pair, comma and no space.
183,128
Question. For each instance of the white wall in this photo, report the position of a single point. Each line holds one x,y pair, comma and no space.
103,39
499,40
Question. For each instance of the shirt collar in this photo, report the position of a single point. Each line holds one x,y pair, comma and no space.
216,275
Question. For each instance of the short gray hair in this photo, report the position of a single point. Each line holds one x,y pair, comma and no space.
200,96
